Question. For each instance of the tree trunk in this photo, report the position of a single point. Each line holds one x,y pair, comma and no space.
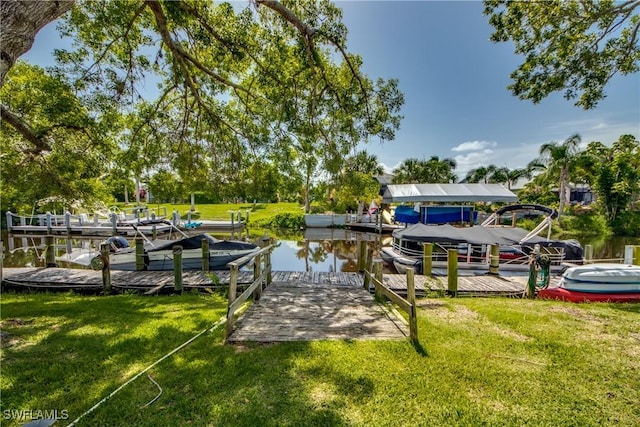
137,192
563,190
307,202
126,194
193,202
21,21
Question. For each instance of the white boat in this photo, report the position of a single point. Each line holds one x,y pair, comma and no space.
597,283
158,254
603,278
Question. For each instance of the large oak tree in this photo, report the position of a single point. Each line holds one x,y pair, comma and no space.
231,82
574,46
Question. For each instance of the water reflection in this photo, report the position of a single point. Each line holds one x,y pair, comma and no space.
610,247
318,250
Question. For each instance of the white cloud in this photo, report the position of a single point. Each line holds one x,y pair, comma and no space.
466,162
389,169
474,145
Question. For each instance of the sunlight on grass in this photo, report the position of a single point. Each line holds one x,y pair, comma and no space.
92,330
487,361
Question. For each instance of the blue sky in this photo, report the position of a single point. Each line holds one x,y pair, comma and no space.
454,81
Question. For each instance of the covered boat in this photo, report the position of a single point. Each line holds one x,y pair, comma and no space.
158,254
597,282
472,243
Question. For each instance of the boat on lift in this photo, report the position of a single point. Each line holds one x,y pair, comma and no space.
158,254
472,243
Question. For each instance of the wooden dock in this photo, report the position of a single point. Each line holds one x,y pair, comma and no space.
91,280
299,311
143,281
124,229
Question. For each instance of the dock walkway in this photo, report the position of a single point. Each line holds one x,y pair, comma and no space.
298,311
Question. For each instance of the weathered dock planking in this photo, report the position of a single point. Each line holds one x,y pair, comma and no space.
298,311
484,285
88,280
77,279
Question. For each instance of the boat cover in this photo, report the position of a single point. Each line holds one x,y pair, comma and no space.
484,236
474,235
411,193
406,214
195,242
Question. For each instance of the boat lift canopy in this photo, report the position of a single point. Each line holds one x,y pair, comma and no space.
412,193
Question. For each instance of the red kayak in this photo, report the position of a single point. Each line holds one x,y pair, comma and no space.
574,296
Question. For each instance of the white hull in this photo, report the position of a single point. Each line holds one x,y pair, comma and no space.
160,260
602,278
402,262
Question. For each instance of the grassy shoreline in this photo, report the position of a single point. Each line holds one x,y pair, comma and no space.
487,361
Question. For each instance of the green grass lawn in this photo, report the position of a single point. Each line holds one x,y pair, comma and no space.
222,211
485,362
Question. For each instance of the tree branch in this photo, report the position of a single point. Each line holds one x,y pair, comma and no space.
179,52
24,129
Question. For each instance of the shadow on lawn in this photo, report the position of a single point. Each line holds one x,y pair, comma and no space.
66,351
73,351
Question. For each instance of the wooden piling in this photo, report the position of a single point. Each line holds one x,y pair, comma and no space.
50,251
139,254
257,272
233,287
106,272
369,269
48,222
452,272
362,256
177,267
205,254
636,255
114,224
411,297
67,222
377,271
494,260
588,254
427,259
267,265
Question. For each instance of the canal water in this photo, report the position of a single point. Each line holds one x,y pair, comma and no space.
318,250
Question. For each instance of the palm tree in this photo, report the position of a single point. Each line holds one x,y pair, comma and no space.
480,174
434,170
440,171
365,163
504,175
408,172
556,159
